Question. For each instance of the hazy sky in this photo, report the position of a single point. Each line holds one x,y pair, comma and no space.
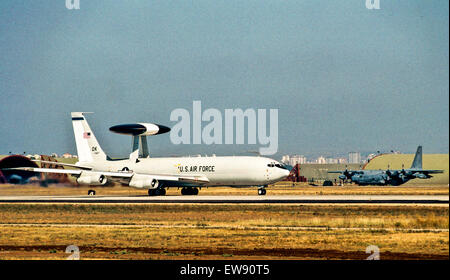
344,78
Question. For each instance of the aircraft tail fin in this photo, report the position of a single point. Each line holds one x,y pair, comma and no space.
417,163
88,148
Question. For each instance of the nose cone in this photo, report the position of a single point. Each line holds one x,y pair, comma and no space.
285,173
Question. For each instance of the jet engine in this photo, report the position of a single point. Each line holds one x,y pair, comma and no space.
91,178
143,182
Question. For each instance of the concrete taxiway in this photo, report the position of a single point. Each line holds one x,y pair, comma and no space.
289,199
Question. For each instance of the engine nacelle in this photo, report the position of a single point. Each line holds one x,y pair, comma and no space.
143,182
91,178
420,175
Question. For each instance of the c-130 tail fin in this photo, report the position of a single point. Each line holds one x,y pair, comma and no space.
417,162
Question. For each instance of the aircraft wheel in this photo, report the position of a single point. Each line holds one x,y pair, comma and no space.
91,192
261,191
151,192
189,191
160,192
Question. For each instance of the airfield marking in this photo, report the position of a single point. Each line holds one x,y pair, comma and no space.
275,199
295,228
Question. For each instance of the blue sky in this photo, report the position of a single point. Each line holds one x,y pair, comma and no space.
344,78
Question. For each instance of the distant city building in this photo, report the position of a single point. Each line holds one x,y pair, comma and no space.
34,157
301,159
331,160
294,159
67,155
321,160
354,157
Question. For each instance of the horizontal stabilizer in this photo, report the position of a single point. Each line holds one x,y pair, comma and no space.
63,164
46,170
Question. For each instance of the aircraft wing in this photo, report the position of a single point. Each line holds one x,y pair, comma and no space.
124,175
63,164
428,171
348,171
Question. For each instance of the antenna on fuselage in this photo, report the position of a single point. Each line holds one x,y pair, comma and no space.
139,133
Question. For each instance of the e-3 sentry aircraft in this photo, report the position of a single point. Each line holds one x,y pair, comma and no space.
94,167
389,177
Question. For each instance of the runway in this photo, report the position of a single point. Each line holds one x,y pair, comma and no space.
233,199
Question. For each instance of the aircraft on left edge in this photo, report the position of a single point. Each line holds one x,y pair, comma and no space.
94,167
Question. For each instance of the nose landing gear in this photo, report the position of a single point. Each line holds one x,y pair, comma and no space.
262,191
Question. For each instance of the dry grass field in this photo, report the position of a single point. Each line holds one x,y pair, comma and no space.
281,188
223,231
180,231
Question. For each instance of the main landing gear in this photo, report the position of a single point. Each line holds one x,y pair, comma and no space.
91,192
156,192
189,191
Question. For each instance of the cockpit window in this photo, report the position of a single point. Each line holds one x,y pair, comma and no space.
280,166
276,165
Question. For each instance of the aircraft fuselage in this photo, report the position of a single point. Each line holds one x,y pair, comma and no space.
220,171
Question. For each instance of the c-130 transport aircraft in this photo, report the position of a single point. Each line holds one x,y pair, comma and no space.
389,177
94,167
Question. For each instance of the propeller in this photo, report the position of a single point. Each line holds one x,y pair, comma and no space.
403,173
392,175
388,172
346,175
403,169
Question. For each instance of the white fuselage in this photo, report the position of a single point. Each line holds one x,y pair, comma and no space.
220,171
